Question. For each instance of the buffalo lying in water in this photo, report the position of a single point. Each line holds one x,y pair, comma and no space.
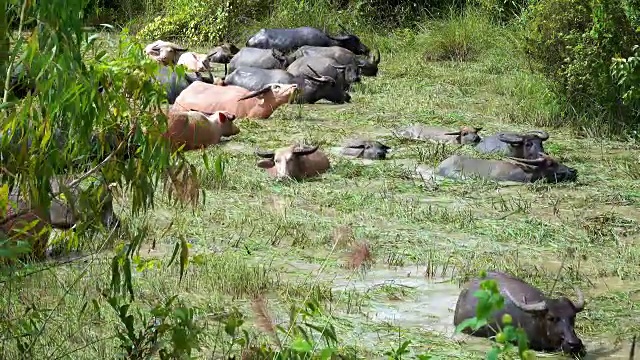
517,170
548,323
466,134
524,146
365,149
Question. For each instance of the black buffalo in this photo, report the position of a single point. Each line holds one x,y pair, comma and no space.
368,65
312,88
525,146
548,323
260,58
291,39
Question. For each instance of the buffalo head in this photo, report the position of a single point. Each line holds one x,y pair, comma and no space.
367,149
525,146
222,54
546,167
350,42
369,66
164,52
557,319
274,94
286,162
322,87
466,135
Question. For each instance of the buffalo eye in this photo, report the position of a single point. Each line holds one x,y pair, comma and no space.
552,318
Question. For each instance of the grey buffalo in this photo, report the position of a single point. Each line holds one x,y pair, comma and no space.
525,146
517,170
291,39
548,323
259,58
368,65
365,149
222,54
344,75
466,134
174,84
313,88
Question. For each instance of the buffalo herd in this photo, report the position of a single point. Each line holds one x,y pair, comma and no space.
306,65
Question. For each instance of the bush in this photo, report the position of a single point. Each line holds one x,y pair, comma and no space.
461,38
502,11
403,13
574,41
204,22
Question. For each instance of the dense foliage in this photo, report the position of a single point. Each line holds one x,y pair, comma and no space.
575,41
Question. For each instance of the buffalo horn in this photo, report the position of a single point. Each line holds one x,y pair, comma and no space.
322,79
305,150
339,67
176,46
454,132
579,303
255,93
510,138
539,306
540,134
313,71
265,154
534,162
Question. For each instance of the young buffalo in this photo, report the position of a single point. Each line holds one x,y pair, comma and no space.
196,130
295,162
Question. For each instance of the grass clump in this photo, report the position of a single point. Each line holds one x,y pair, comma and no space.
461,37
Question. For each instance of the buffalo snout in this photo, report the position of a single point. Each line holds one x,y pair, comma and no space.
573,345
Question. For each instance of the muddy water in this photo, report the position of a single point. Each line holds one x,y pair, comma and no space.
429,304
424,303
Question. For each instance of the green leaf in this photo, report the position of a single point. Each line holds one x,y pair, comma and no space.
467,323
301,345
184,257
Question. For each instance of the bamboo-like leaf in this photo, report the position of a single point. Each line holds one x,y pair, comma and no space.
184,257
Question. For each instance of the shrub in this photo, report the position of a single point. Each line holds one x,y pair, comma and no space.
574,42
502,11
461,38
204,22
626,73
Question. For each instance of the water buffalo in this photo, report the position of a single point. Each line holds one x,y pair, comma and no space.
164,52
259,58
525,146
222,54
64,214
519,170
295,162
548,323
368,65
208,99
344,75
312,88
194,62
194,130
291,39
174,84
366,149
61,214
466,134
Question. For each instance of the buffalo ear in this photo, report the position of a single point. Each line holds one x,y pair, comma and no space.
261,101
222,117
266,163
